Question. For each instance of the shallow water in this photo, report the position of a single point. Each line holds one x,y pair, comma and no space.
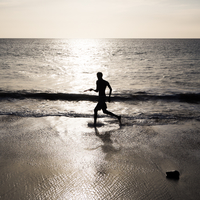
66,158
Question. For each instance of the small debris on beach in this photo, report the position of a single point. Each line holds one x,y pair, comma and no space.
173,174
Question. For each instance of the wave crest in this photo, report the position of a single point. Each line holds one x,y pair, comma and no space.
138,96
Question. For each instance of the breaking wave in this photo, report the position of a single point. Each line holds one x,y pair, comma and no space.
138,96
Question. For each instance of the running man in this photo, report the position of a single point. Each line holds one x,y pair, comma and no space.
101,85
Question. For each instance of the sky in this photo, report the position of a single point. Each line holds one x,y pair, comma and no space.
99,18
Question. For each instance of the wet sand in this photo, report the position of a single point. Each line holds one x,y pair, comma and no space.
66,158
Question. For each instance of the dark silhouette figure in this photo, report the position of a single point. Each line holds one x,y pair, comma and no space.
101,85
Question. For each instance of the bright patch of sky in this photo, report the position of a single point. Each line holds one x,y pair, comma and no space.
100,18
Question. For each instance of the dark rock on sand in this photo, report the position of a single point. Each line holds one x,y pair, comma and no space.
173,174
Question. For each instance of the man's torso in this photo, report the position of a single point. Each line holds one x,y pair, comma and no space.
101,85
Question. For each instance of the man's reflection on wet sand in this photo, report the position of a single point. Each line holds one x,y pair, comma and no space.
108,145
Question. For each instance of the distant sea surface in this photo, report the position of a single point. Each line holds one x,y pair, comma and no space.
153,80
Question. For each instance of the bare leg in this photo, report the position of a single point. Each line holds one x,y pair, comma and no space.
95,117
112,114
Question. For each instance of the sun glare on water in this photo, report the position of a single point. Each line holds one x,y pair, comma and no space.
86,55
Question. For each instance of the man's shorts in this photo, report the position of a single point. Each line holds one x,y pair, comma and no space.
101,104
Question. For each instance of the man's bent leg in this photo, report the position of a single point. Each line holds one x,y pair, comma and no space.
112,114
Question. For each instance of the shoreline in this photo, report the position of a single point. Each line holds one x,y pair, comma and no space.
66,158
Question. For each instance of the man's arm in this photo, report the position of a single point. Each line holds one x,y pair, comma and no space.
91,89
109,92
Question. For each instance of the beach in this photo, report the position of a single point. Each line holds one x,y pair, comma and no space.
67,158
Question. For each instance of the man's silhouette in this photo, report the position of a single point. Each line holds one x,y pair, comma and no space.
101,85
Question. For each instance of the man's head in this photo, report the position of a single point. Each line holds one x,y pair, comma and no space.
99,75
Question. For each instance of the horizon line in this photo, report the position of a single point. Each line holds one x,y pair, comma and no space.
100,38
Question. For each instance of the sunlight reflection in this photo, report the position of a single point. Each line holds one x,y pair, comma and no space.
85,58
84,50
90,153
83,158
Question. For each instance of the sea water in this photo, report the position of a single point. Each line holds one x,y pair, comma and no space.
48,146
153,80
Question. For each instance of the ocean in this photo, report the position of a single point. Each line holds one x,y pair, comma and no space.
150,78
49,148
